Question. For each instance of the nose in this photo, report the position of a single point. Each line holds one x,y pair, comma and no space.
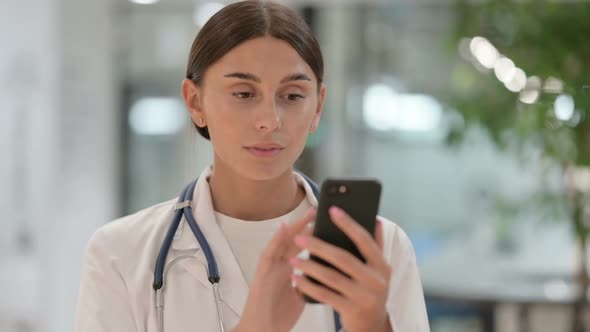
268,119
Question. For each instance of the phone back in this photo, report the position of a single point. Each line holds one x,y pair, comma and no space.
360,200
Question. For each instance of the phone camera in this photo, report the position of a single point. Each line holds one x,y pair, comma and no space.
338,189
342,189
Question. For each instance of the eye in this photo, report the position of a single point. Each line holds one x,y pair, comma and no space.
294,97
243,95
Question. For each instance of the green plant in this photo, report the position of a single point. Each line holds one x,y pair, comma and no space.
550,42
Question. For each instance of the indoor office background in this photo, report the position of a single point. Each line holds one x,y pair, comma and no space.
473,114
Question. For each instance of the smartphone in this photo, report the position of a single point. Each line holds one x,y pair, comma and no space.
360,199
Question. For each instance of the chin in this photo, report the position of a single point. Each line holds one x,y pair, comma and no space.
257,169
265,172
262,171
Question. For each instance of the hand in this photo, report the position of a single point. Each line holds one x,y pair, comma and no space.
273,305
359,297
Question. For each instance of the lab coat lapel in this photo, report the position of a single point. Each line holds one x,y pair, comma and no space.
233,285
308,191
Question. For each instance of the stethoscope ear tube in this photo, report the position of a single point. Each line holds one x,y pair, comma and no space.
161,260
213,274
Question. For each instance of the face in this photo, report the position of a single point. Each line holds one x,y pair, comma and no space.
260,101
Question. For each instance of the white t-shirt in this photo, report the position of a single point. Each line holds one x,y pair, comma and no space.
248,239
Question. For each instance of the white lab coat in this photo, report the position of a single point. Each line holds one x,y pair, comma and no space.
116,291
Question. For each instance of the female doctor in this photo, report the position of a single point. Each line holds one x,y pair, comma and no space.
254,88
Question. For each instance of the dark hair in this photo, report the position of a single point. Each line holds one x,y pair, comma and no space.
242,21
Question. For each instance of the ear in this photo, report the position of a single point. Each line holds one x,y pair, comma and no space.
192,95
318,113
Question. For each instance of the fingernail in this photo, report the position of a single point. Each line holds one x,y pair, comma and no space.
336,212
300,240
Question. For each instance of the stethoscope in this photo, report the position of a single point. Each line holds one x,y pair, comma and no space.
183,207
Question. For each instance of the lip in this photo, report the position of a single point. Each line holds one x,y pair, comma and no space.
265,150
265,146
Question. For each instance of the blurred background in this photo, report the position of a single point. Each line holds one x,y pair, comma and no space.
474,115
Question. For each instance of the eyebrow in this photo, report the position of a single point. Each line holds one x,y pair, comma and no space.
254,78
295,77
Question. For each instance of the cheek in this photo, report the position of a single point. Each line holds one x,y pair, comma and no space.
220,113
222,123
298,124
305,116
302,125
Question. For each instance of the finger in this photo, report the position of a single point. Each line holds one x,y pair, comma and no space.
277,243
320,293
340,259
363,240
282,239
379,234
293,250
302,224
328,276
301,227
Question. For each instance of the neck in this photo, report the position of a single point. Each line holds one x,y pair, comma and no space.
246,199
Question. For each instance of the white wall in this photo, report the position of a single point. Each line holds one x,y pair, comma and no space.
59,153
29,108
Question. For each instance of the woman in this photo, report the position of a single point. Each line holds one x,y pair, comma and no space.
254,88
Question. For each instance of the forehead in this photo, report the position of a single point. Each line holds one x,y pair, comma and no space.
265,57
